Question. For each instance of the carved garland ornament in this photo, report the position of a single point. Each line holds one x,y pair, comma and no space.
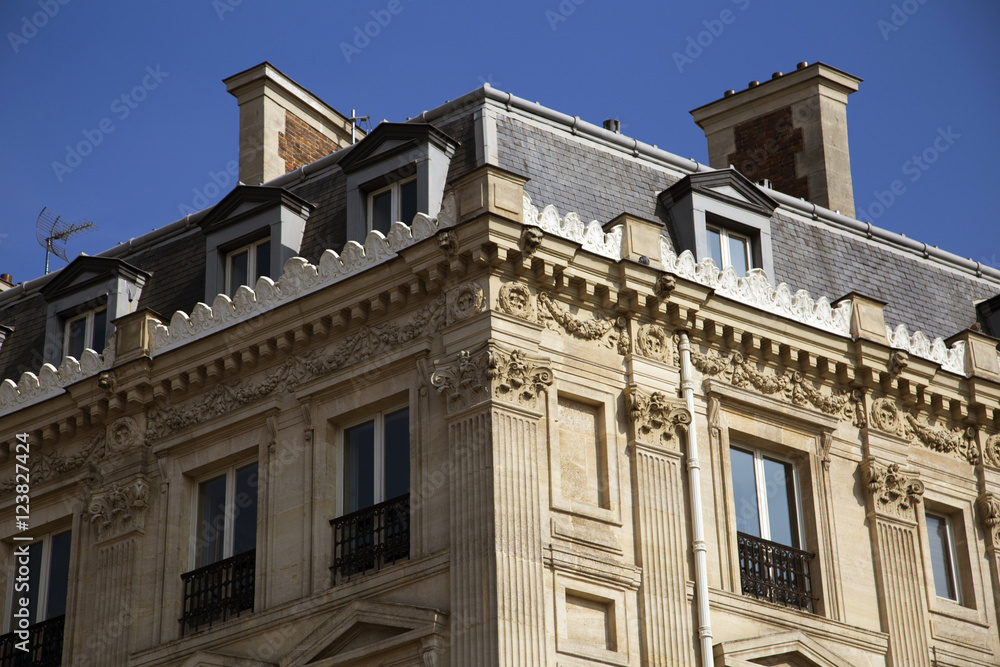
886,416
892,492
655,417
364,344
508,375
119,509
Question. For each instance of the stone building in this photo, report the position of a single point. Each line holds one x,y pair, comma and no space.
589,403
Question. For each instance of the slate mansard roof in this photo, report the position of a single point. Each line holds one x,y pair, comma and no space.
576,167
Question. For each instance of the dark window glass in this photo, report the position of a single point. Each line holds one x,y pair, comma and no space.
714,246
745,492
238,270
77,339
941,557
211,521
397,453
359,473
245,510
263,262
408,201
100,338
55,604
780,490
738,254
382,211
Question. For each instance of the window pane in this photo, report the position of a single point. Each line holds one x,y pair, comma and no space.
359,467
211,529
397,454
238,271
382,212
941,561
77,338
745,492
782,519
263,261
55,604
714,246
99,339
245,510
738,254
408,201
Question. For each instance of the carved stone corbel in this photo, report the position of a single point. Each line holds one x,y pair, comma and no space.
891,491
989,513
531,240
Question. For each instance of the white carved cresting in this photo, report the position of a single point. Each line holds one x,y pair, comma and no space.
31,388
951,358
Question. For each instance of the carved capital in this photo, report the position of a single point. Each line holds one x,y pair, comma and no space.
512,376
989,513
892,492
119,509
655,418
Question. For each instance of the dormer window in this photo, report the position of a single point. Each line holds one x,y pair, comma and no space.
729,248
246,264
396,201
87,330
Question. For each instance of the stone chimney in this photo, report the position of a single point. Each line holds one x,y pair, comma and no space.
282,125
791,130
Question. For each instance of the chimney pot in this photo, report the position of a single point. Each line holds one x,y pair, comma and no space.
7,278
613,125
802,65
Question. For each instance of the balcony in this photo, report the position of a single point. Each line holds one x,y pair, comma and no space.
218,592
774,572
371,538
45,645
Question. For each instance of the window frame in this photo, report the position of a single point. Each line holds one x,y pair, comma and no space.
90,319
250,248
229,472
724,236
378,488
44,576
760,481
395,197
951,561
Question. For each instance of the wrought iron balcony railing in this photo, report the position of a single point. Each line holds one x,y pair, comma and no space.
371,538
219,591
775,572
45,645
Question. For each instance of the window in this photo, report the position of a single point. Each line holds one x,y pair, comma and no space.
375,527
47,580
397,201
729,248
245,265
88,330
222,584
773,565
944,564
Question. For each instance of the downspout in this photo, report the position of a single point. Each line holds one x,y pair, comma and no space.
697,524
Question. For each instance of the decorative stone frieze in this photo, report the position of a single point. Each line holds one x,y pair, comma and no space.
891,491
363,344
654,342
991,450
492,372
465,301
656,418
515,299
960,441
123,434
120,509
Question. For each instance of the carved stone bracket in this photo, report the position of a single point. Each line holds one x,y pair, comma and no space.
892,492
531,240
960,441
656,418
492,372
989,508
119,509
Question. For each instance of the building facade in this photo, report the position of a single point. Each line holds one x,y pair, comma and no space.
401,404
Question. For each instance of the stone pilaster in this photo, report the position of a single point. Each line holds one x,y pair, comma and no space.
660,526
497,596
892,499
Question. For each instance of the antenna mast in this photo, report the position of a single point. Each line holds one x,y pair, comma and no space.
52,232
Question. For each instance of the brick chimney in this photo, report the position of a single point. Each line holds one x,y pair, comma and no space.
282,125
790,130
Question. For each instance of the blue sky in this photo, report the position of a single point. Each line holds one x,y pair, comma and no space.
140,85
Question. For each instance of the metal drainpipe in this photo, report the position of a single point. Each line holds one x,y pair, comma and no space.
697,525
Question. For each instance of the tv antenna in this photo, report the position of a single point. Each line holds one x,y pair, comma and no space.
367,120
53,231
